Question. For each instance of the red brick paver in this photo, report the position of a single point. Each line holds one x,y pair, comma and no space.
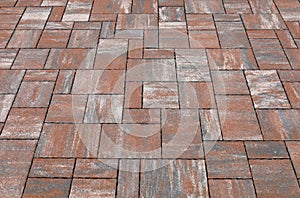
149,98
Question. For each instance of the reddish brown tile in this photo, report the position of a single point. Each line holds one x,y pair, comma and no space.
5,105
140,116
144,7
266,149
289,75
40,76
93,188
34,18
293,148
263,21
54,39
293,56
133,95
64,82
137,21
200,22
172,38
7,57
114,6
78,10
210,125
56,13
205,6
158,53
203,39
286,39
135,49
174,14
293,93
10,81
24,39
237,6
261,34
31,59
84,39
4,37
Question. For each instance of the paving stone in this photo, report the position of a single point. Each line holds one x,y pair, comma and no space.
24,39
179,178
200,22
31,59
129,34
261,34
160,95
231,187
16,156
181,137
96,168
274,178
54,39
104,109
210,125
263,21
133,95
130,141
144,7
158,53
43,167
64,82
82,25
205,6
93,187
227,18
99,82
137,21
29,3
231,59
173,38
238,122
237,37
78,10
140,116
293,93
196,95
263,7
112,6
171,14
294,28
37,187
293,148
237,6
289,75
67,108
107,30
103,17
151,70
135,49
111,54
40,76
34,18
286,39
54,2
70,59
9,21
4,37
10,81
266,149
6,102
24,123
84,39
59,25
56,14
128,171
203,39
151,38
293,57
226,160
7,57
289,9
34,94
78,140
266,89
229,82
279,124
171,3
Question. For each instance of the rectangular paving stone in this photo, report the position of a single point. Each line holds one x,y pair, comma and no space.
210,125
40,76
99,82
171,2
151,70
64,82
129,34
289,75
56,14
54,2
10,81
238,122
67,108
173,38
231,59
7,57
229,82
293,56
205,6
237,6
294,28
112,6
181,136
34,94
261,34
16,156
59,25
135,49
84,39
140,116
160,95
144,7
54,39
31,59
179,178
279,124
6,102
71,59
128,171
111,54
266,89
226,160
203,39
78,10
36,187
263,21
269,54
108,30
137,21
24,123
231,187
237,37
158,53
227,18
96,168
286,39
289,9
24,39
104,109
93,187
46,167
4,37
293,148
83,25
151,38
200,22
77,140
196,95
34,18
9,21
130,141
174,14
293,93
274,178
133,95
266,149
265,7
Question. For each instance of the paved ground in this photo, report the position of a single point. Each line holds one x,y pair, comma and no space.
156,98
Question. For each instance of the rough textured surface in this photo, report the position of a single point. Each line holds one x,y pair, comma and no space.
149,98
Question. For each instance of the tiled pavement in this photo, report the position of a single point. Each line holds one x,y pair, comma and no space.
149,98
